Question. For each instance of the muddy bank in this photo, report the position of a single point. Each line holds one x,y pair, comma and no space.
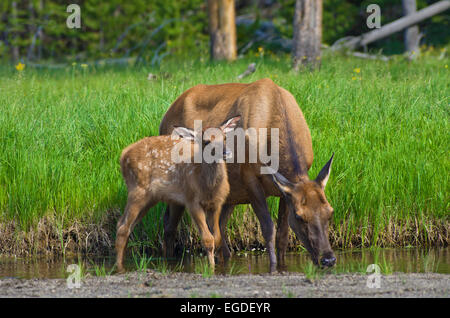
286,285
88,237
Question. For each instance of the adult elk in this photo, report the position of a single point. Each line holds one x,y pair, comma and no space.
303,204
164,168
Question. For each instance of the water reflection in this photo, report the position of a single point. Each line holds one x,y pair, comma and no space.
390,260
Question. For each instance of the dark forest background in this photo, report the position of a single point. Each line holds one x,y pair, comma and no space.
152,30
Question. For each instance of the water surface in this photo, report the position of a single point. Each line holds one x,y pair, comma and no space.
408,260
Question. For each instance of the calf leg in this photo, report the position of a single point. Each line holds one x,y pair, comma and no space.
199,217
172,217
212,218
224,217
137,206
282,232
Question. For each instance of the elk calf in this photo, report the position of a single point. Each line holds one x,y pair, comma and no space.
154,170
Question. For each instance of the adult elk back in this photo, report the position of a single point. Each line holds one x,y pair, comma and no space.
303,204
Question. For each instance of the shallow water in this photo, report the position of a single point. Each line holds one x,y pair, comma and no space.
409,260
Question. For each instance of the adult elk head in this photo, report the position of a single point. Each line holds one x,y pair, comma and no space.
310,213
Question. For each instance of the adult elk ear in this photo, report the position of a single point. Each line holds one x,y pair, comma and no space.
283,184
324,174
230,124
183,132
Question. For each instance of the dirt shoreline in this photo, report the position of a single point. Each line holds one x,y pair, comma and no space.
286,285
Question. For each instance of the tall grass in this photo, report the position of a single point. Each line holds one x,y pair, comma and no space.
62,132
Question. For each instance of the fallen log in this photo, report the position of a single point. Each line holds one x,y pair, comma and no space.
368,56
250,69
393,27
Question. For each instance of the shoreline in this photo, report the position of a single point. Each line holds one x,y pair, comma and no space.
151,284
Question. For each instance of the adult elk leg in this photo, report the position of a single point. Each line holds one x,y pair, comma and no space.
137,206
259,205
282,232
224,217
172,217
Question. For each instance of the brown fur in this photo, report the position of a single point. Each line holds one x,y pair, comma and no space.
262,104
151,176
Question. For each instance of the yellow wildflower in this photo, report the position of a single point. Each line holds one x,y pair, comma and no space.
84,65
74,63
20,67
353,78
446,66
357,70
260,49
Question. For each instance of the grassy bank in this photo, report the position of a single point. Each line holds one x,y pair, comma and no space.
62,132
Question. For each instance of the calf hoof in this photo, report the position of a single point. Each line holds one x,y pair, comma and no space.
120,269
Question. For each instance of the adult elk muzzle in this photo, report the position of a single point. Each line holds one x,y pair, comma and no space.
310,213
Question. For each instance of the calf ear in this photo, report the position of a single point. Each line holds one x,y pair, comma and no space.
230,124
324,174
183,132
283,184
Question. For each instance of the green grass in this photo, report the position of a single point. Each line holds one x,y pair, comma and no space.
141,261
312,272
287,293
62,132
100,270
160,265
234,269
203,267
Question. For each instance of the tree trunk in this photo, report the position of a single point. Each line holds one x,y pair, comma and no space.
411,36
33,31
307,33
41,32
222,29
15,48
